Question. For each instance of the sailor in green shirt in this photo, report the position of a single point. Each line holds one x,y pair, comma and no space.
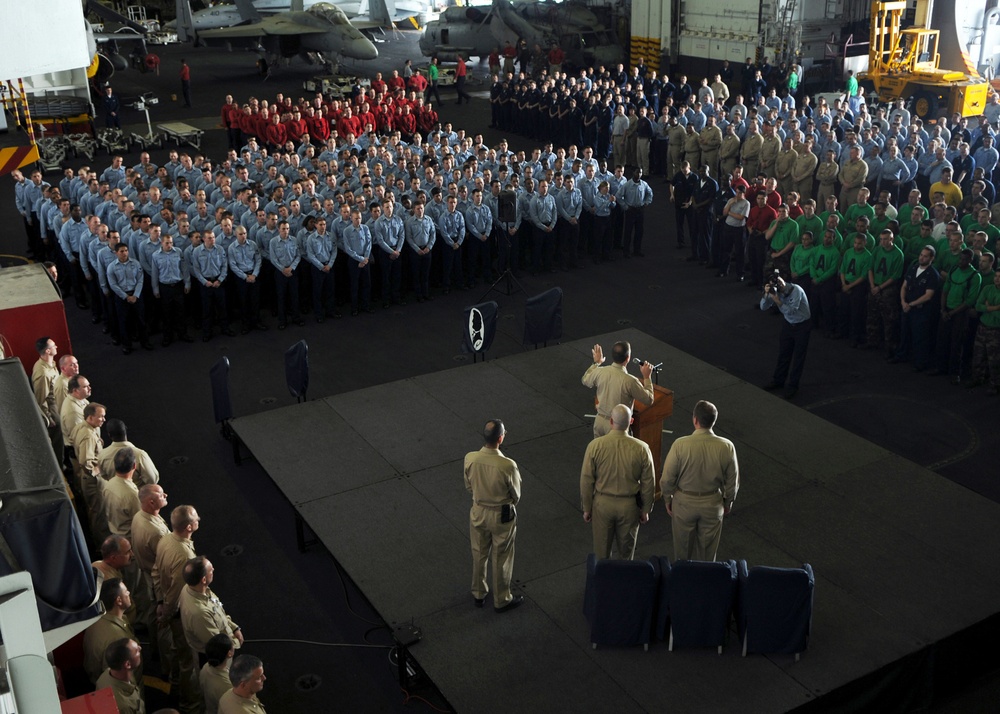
971,218
986,354
881,220
948,251
831,209
958,299
883,295
860,208
853,296
825,284
783,233
909,231
809,221
862,225
801,262
912,204
986,266
912,245
983,224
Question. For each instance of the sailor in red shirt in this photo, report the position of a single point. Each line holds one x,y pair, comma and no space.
418,83
276,134
760,219
396,82
556,57
427,118
296,126
461,71
263,121
407,124
767,186
319,127
366,116
348,123
378,84
230,119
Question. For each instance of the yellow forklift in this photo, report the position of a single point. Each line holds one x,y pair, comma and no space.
931,67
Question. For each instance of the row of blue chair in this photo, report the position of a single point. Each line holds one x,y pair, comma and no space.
692,603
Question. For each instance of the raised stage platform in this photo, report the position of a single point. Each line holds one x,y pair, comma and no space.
904,559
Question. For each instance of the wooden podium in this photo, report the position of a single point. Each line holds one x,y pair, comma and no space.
647,425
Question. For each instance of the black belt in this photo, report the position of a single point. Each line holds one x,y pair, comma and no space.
170,285
211,277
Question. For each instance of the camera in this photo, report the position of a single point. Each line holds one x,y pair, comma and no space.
771,286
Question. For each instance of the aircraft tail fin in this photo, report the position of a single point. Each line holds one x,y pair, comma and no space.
248,13
382,11
185,23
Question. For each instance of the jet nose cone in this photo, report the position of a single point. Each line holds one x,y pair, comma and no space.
363,49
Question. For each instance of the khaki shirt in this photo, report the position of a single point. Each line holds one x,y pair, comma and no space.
43,378
145,470
616,386
87,443
701,463
769,149
121,503
61,390
70,415
492,478
147,530
617,464
854,174
172,552
730,148
203,617
751,147
96,639
710,139
214,683
127,695
785,162
805,166
233,703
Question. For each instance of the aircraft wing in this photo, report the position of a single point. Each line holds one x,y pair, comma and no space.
276,25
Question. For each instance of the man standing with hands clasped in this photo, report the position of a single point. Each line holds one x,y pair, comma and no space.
615,385
495,485
616,486
701,477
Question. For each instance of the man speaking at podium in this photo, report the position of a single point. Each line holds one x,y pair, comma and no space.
615,385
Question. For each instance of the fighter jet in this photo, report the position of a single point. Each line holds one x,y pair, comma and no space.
477,30
362,13
322,30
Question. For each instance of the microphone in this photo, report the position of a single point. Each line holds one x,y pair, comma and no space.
637,361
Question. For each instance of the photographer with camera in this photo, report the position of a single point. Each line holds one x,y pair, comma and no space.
791,301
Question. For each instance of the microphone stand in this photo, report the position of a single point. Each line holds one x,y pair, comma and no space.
506,275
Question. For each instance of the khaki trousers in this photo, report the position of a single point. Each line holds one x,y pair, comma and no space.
696,526
489,538
615,520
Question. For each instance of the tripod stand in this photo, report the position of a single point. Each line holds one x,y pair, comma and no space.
506,277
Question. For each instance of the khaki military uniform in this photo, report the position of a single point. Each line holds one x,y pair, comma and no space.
701,476
96,639
145,470
147,530
852,178
232,703
783,167
172,552
88,444
203,617
803,174
729,155
60,388
692,150
769,149
43,378
70,415
616,468
675,148
127,694
710,140
826,174
494,481
214,683
614,386
121,501
750,154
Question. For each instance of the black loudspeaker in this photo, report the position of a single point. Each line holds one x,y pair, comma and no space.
507,207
